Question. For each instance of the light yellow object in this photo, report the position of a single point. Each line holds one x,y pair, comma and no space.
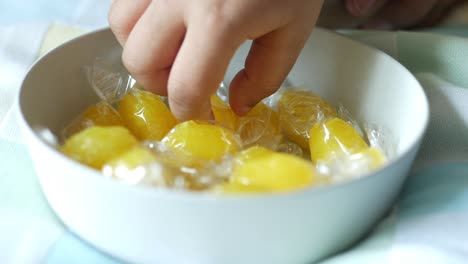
58,34
124,164
223,113
130,165
299,111
194,143
96,145
146,115
267,171
100,114
333,138
372,158
251,153
260,127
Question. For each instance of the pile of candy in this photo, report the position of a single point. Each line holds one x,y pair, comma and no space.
305,142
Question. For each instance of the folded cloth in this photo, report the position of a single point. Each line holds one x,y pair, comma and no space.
427,224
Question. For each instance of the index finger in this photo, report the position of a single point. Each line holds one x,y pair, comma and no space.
198,69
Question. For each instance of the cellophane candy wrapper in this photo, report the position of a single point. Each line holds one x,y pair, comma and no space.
223,92
291,148
109,85
162,170
344,114
347,167
299,110
341,150
282,122
260,127
380,138
100,114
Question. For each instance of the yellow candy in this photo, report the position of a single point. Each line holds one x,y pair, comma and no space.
260,127
195,143
100,114
265,170
96,145
373,158
223,113
251,153
299,111
146,115
128,166
141,165
333,138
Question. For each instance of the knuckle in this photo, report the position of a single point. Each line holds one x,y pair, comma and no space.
117,22
183,95
217,19
133,63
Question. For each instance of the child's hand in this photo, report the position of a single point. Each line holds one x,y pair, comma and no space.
393,14
182,48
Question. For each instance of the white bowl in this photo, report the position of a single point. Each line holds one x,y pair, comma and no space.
145,225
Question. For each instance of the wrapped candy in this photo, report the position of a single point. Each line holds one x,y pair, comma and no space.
338,150
299,111
265,151
223,113
260,127
195,143
152,164
223,92
380,138
290,148
332,138
140,165
95,145
146,115
346,167
258,169
100,114
109,85
344,114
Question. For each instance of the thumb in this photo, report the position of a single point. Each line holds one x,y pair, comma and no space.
269,61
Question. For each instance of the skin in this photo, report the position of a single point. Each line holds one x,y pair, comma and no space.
397,14
181,48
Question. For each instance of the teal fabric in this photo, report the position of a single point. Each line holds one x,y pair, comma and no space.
429,52
19,188
71,250
440,189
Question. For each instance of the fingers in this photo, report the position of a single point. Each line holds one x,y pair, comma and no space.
441,10
183,50
123,15
401,13
153,44
270,59
359,7
199,68
393,14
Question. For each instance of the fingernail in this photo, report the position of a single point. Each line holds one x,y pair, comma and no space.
359,7
378,25
244,110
